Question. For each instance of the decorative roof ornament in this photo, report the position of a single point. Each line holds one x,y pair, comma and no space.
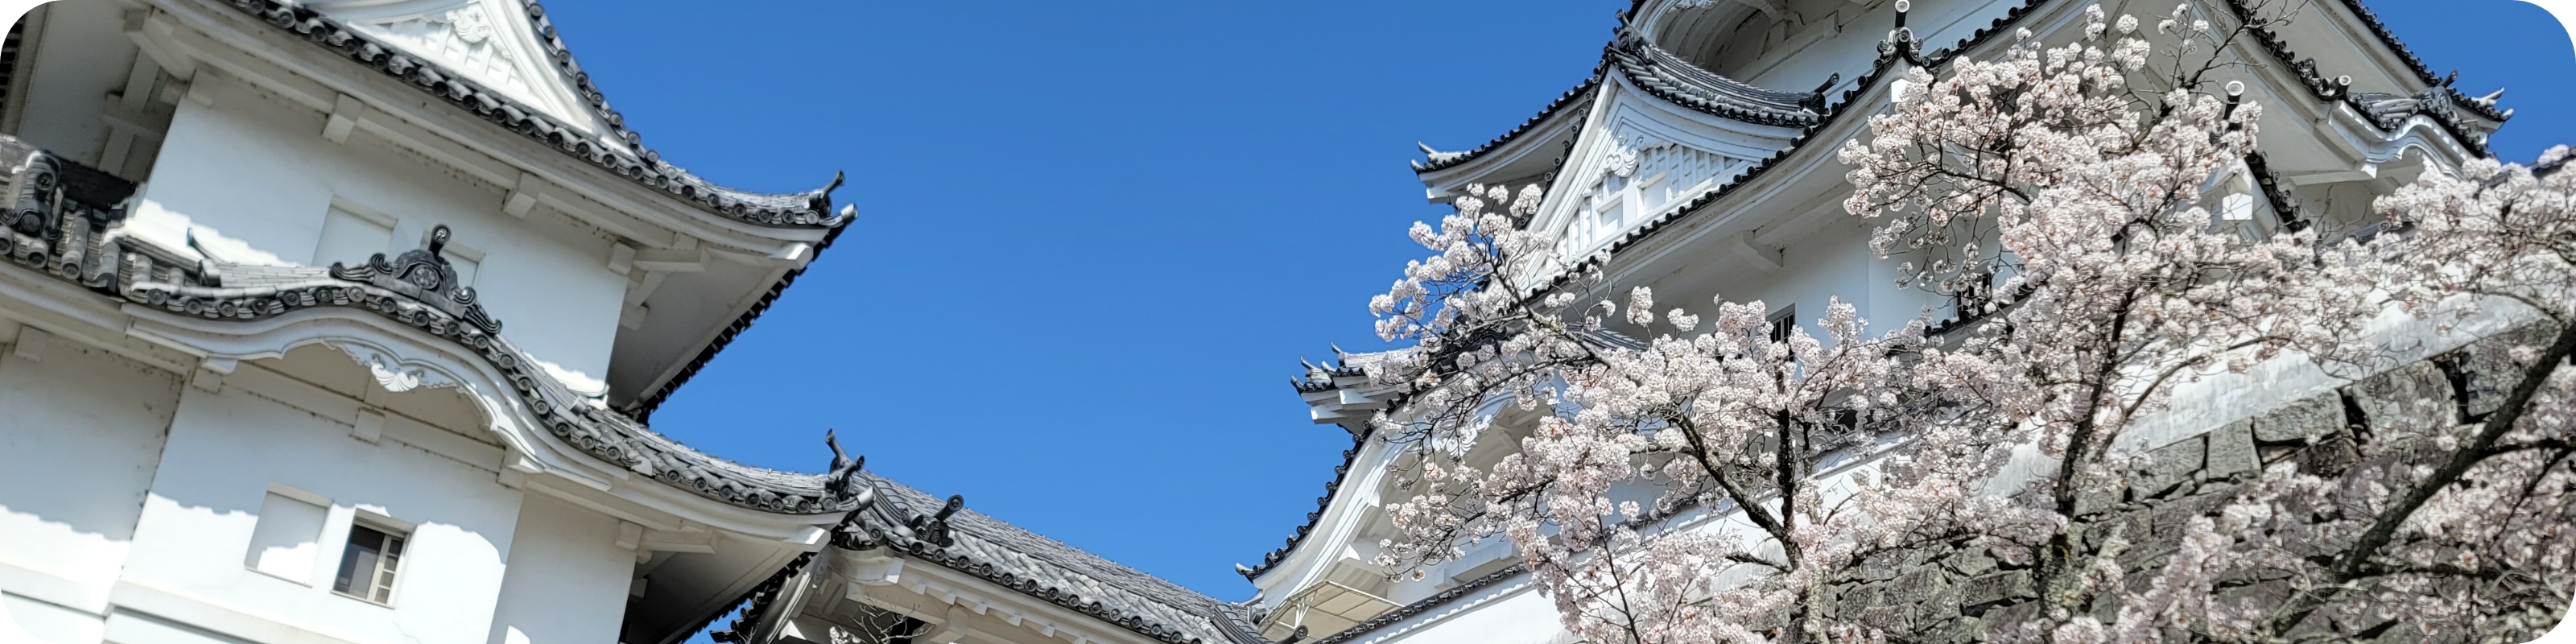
934,528
1438,158
1900,41
1622,158
2235,96
842,482
1815,101
2488,101
425,275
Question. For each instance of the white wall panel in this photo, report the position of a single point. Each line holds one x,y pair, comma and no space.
228,448
568,579
77,451
255,180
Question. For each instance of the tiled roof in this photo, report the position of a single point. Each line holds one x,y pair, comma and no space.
643,407
2438,101
2330,90
120,267
811,209
1445,160
1341,473
1360,364
1670,78
1665,76
1237,622
2370,19
1826,114
1012,557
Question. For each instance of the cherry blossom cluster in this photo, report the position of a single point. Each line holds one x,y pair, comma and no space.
1717,482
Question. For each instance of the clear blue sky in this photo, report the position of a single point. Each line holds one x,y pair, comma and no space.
1095,238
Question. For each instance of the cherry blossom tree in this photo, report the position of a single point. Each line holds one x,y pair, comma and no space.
1728,418
2111,281
2455,516
1675,489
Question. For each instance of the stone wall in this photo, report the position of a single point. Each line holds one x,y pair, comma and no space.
1955,594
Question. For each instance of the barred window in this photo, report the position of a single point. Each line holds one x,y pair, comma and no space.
368,564
1783,322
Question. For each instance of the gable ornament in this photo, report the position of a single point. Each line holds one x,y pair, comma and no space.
426,276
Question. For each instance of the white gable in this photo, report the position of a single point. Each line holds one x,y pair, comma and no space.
489,42
1641,158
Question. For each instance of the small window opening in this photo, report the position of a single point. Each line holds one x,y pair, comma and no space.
368,565
287,539
1783,323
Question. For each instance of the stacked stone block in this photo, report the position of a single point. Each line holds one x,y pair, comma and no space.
1956,594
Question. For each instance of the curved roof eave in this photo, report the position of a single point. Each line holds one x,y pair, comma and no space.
1581,93
643,407
642,165
1677,81
1665,76
128,269
2424,73
2338,90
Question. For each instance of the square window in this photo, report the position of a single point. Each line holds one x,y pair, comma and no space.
285,542
368,564
2236,207
350,236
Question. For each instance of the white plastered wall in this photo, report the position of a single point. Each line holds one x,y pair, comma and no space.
228,448
568,578
78,446
1511,612
252,178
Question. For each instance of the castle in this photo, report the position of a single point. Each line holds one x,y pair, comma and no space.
338,322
